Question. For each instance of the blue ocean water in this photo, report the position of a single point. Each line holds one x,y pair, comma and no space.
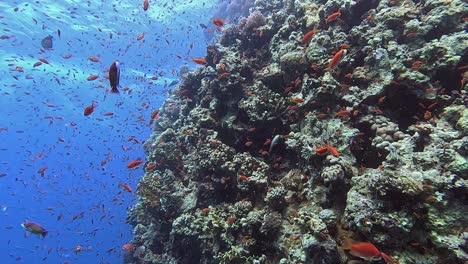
79,199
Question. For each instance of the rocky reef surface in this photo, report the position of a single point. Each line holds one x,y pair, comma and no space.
313,122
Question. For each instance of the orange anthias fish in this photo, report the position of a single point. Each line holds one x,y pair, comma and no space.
92,77
93,59
244,178
128,247
218,22
145,5
155,114
89,110
333,151
133,164
343,112
366,250
334,15
309,35
126,187
336,59
321,150
200,61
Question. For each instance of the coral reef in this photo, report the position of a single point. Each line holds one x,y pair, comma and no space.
314,122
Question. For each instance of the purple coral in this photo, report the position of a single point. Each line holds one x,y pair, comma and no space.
255,20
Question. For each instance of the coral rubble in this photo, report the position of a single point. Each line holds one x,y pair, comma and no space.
278,150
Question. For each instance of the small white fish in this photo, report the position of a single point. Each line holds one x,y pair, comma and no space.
275,141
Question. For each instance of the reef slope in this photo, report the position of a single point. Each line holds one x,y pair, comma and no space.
313,122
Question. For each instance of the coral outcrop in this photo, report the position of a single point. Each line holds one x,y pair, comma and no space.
314,122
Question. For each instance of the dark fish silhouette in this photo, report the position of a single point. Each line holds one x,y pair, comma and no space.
47,42
114,76
174,82
34,228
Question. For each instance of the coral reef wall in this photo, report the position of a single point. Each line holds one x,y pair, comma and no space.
314,122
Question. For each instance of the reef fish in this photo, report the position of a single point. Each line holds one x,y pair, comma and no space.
200,61
366,250
114,76
336,59
218,22
133,164
126,187
309,35
92,77
128,247
47,42
34,228
275,141
89,110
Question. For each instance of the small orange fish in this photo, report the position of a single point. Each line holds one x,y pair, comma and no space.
145,5
336,59
133,164
109,114
93,59
92,77
381,99
363,250
37,64
200,61
322,116
366,250
321,150
128,247
309,35
141,36
296,100
231,220
126,187
42,170
150,166
155,114
67,56
222,75
333,151
244,178
89,110
342,113
218,22
334,15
